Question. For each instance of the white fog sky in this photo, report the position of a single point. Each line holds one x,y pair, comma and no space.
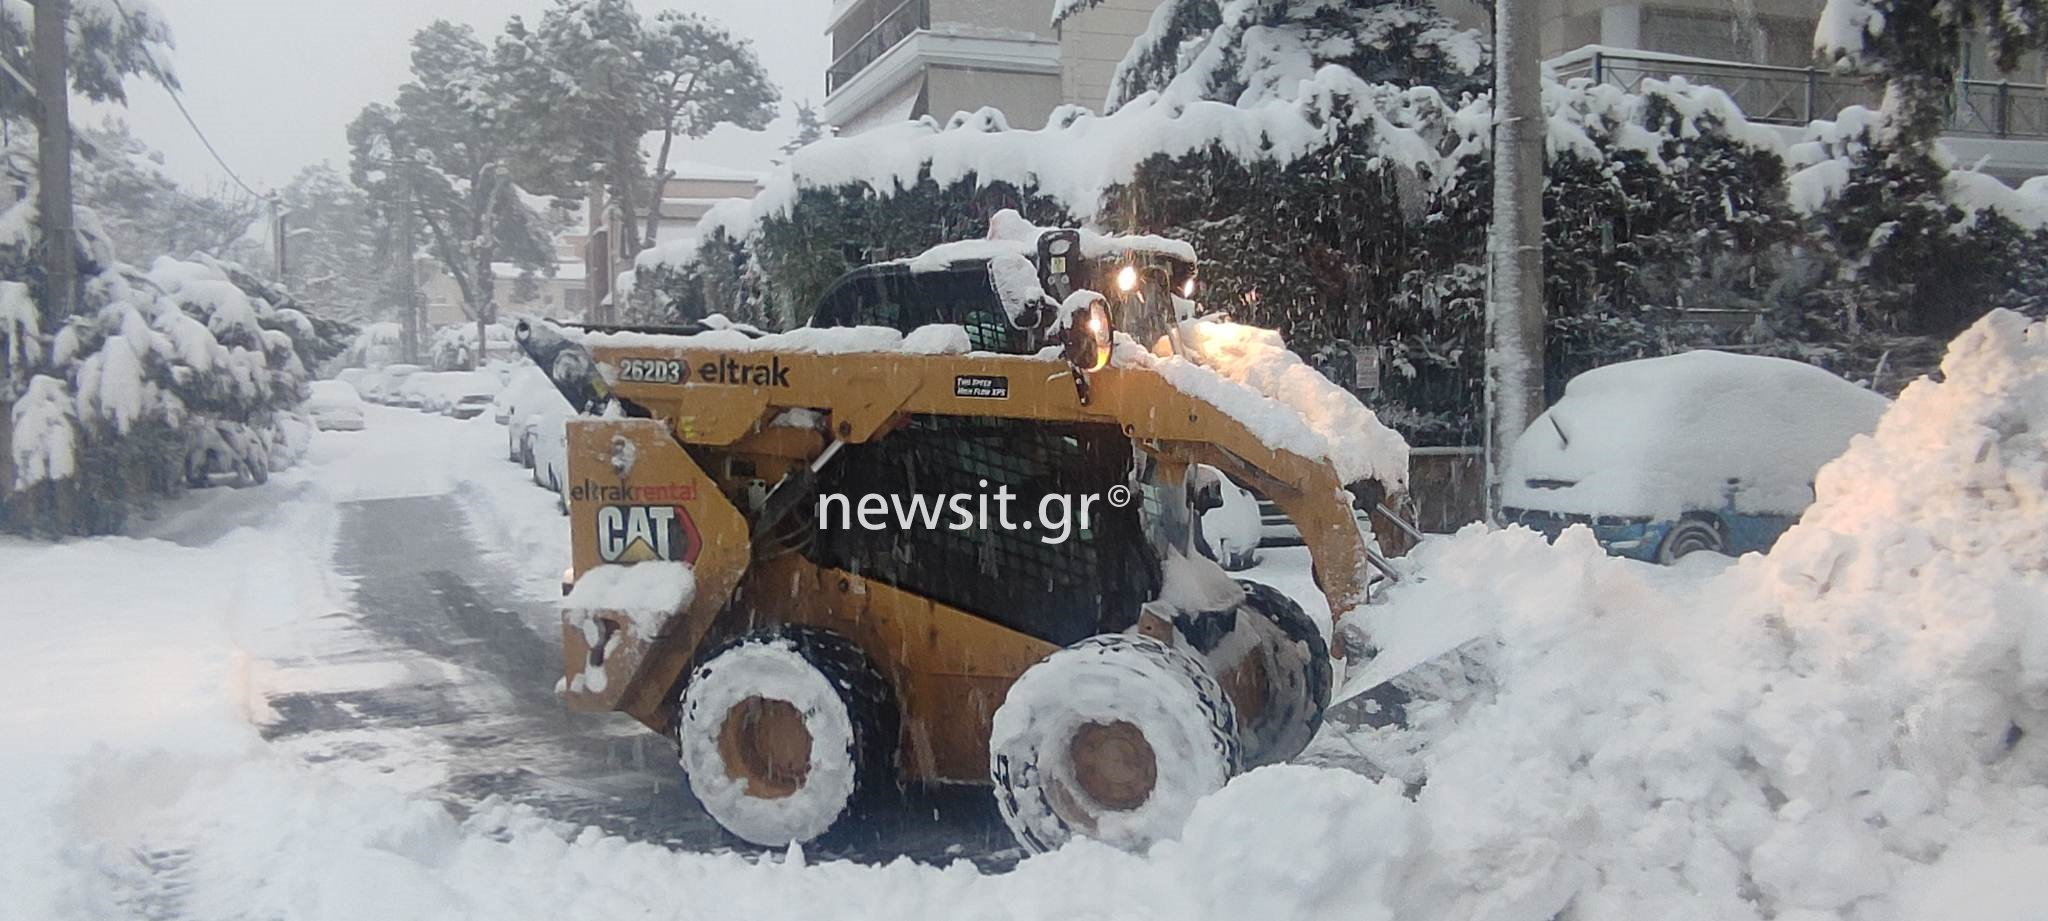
274,83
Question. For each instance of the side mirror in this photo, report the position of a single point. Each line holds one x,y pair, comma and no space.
1084,321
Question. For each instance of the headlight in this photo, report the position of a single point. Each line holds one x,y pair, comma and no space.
1127,278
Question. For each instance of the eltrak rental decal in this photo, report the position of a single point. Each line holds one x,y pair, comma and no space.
593,491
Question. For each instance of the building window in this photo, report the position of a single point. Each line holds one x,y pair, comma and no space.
1698,35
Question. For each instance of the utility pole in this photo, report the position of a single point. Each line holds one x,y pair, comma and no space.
1514,290
277,230
53,162
483,319
409,338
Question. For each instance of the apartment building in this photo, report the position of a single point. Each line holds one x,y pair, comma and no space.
1760,52
903,59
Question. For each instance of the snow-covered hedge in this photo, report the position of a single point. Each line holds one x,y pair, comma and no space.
179,374
1339,208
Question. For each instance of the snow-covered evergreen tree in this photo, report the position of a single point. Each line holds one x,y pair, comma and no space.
1240,51
591,79
1914,47
442,155
337,258
109,42
808,129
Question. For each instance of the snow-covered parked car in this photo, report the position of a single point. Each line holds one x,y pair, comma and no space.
1702,451
527,391
524,401
228,454
394,378
550,448
335,406
467,394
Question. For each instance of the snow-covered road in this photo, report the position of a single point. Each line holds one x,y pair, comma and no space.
329,697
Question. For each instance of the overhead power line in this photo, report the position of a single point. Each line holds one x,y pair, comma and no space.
179,101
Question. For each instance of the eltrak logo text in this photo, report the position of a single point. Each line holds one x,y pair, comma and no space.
592,491
726,369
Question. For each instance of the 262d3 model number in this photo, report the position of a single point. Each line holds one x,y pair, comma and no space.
653,370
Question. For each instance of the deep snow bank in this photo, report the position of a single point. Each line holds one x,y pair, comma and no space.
1851,727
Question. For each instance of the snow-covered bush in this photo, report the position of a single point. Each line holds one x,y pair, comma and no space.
454,347
164,377
1915,244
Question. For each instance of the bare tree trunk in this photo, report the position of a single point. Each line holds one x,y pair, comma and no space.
492,180
53,167
409,335
661,170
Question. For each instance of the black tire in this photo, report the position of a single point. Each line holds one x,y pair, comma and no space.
1277,674
1112,738
1692,534
745,774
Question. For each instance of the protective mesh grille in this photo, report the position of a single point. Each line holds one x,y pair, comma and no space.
1059,592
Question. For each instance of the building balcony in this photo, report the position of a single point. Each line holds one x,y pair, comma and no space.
1794,96
899,23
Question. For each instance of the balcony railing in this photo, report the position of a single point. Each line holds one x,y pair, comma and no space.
1796,95
904,21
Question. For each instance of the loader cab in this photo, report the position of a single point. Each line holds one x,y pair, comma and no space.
1143,286
890,294
1058,587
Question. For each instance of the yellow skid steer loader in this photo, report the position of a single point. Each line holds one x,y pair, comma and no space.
788,558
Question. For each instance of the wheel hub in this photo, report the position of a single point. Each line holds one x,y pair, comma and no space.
1114,764
765,743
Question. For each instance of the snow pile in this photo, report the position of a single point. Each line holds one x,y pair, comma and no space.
835,340
45,434
1597,120
938,339
1250,374
645,593
1698,430
19,325
1852,727
1844,25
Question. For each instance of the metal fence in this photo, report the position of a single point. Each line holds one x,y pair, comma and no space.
900,23
1797,95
